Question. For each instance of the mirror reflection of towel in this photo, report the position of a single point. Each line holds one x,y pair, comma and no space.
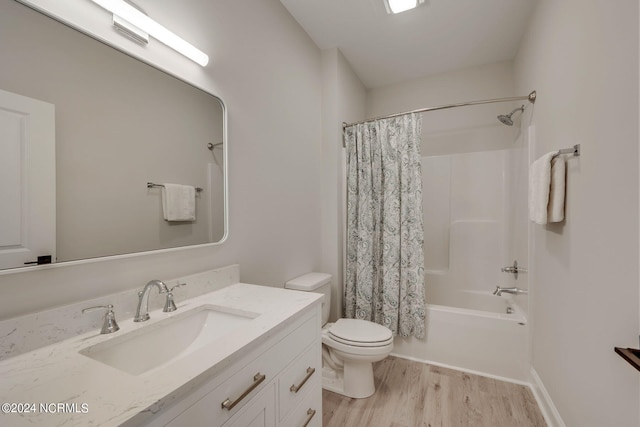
179,202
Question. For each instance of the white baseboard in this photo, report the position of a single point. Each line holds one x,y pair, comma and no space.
549,410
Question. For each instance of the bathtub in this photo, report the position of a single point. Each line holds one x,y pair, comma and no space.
481,333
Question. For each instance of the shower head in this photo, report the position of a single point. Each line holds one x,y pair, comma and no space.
506,119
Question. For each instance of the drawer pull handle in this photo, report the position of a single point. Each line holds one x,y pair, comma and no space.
257,379
310,414
294,388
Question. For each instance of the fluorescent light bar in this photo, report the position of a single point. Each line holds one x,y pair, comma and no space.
157,31
397,6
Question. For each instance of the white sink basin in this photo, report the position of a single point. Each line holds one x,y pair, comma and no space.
162,343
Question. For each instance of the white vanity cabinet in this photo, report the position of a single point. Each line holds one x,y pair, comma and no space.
276,383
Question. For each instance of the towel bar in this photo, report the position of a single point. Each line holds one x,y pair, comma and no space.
151,185
631,355
575,150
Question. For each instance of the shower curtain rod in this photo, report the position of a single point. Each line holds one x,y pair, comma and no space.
531,98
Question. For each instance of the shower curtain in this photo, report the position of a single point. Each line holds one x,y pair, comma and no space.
384,280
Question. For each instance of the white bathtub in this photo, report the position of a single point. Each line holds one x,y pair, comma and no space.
484,339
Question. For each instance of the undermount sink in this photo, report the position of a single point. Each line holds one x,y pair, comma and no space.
168,340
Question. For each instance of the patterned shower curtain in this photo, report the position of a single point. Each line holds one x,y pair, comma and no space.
385,263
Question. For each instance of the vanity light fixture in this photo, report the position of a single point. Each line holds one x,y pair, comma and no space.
397,6
138,19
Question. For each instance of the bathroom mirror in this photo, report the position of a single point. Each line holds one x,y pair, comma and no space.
119,124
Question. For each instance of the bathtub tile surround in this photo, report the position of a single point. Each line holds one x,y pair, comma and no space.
59,373
26,333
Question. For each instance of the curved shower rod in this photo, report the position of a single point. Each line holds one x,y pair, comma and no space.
531,98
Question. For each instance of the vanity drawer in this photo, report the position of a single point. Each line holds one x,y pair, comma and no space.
260,412
299,377
308,412
249,380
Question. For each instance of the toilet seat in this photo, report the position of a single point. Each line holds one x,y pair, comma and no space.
359,333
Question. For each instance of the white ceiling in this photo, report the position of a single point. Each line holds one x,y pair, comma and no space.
439,36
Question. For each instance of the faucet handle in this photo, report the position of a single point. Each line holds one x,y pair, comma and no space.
109,324
177,286
513,269
97,307
169,304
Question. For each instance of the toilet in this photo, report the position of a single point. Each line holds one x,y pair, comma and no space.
349,346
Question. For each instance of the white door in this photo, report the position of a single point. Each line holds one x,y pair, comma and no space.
27,180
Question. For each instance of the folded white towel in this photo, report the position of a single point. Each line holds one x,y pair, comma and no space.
179,202
547,189
555,210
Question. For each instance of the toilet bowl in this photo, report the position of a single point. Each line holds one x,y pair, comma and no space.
349,346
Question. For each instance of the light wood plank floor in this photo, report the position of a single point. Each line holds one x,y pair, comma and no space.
413,394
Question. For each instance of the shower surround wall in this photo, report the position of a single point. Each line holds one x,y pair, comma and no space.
474,179
465,227
471,203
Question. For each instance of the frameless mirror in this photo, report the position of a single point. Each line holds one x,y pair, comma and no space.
117,124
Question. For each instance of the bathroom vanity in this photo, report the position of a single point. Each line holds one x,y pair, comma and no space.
242,355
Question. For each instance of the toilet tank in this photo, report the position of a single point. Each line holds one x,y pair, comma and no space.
314,282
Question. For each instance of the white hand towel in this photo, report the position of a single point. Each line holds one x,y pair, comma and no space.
555,209
179,202
547,189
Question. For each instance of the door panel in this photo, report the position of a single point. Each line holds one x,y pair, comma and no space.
27,180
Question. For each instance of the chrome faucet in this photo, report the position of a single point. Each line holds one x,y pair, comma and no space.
514,291
143,299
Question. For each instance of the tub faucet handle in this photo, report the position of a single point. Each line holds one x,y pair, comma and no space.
514,269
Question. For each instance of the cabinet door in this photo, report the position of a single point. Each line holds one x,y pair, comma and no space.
260,412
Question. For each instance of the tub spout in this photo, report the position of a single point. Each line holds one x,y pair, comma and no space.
514,291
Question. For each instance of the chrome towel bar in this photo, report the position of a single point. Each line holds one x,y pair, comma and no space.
151,185
575,150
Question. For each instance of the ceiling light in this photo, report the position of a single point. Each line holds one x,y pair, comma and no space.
397,6
135,17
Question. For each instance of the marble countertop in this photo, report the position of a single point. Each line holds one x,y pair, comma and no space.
96,394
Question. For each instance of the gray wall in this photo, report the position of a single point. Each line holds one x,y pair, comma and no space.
343,96
582,57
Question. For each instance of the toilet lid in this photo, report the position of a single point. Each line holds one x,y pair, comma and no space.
360,333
